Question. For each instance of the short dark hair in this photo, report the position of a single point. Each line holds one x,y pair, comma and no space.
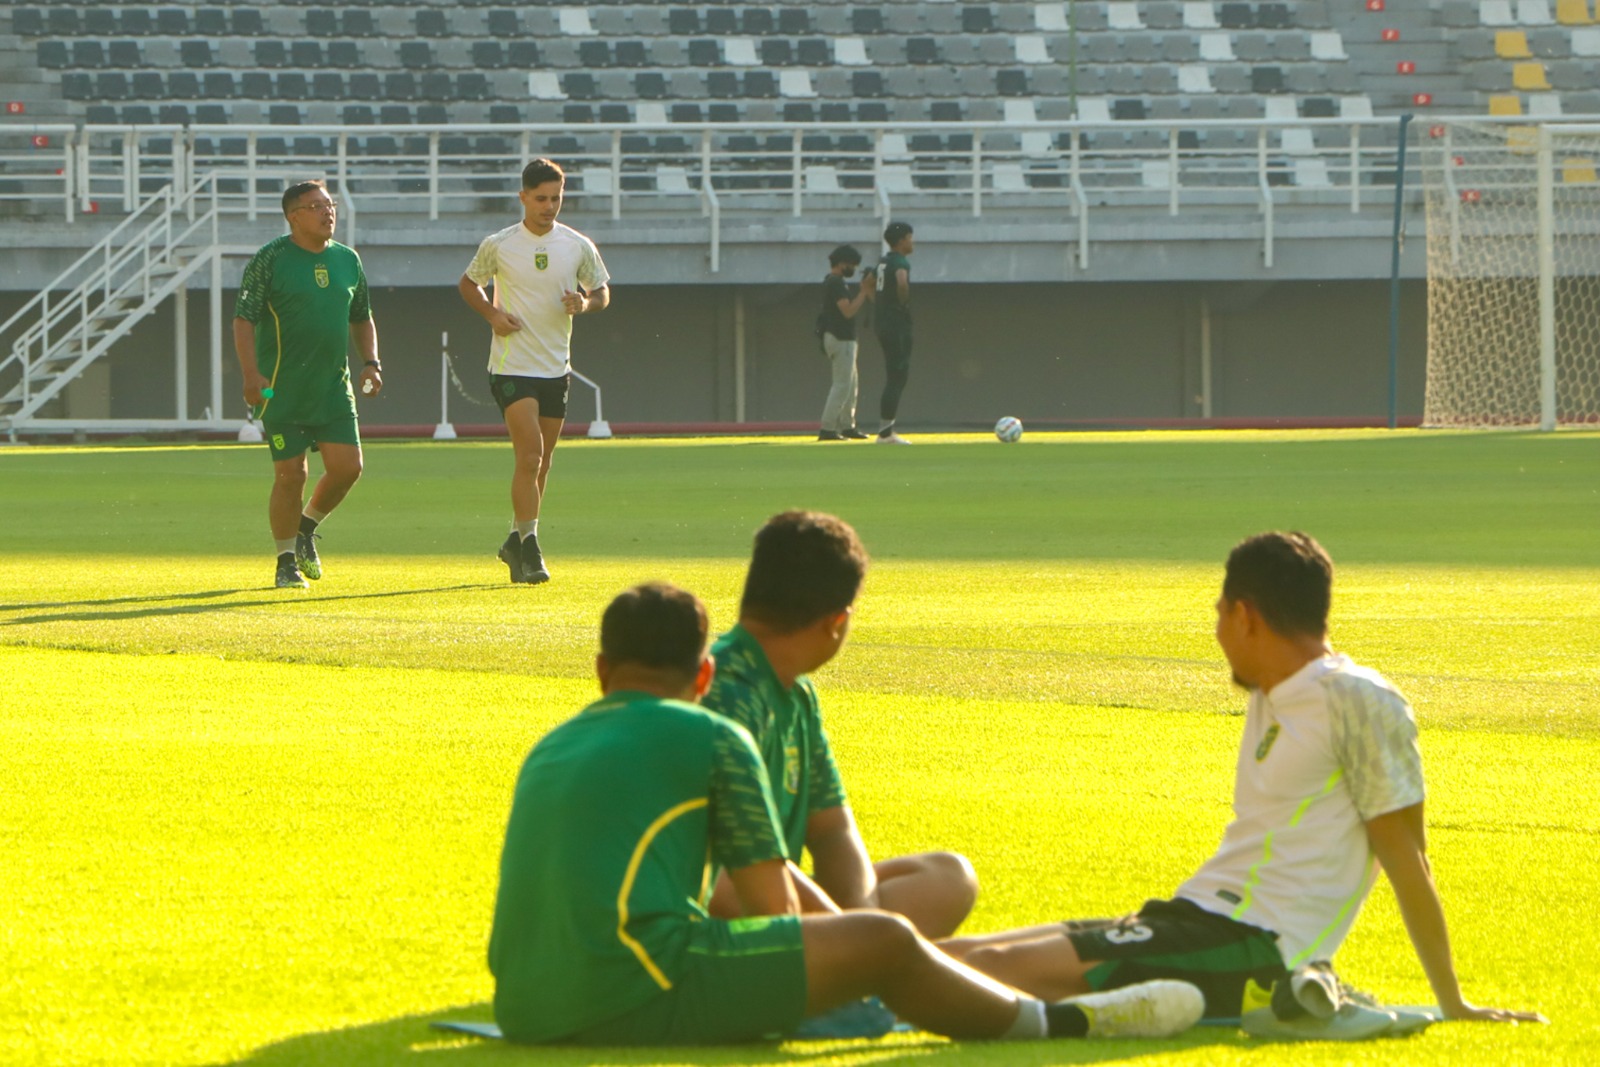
540,171
806,566
299,189
844,254
895,232
655,625
1287,576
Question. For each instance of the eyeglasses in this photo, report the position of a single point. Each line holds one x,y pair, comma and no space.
330,208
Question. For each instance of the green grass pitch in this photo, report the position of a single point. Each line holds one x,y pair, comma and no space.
242,825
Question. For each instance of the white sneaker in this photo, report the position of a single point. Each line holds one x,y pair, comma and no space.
891,438
1160,1008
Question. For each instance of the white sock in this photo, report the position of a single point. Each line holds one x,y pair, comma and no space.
1030,1024
527,529
313,514
285,545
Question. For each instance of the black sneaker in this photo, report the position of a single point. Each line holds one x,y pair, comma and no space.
533,569
854,434
289,576
830,435
511,556
305,555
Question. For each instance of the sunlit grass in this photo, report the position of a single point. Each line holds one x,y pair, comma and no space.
250,825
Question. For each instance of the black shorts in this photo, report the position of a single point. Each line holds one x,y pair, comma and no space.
551,393
1180,939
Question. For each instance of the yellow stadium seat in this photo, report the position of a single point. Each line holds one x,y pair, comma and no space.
1573,12
1511,44
1505,104
1522,140
1529,77
1579,172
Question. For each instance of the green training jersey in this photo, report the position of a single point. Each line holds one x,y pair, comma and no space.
302,304
618,818
891,313
787,727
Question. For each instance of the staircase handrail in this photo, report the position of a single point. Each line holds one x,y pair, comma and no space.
100,250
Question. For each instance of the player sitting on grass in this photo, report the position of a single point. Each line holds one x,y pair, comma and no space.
804,575
600,930
1328,787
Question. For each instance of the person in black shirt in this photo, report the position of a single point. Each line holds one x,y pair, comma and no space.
837,328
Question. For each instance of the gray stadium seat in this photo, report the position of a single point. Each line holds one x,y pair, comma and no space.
305,53
183,85
124,54
416,55
246,22
52,55
431,22
866,20
113,85
683,22
27,22
776,52
345,55
137,115
473,85
62,22
291,86
88,55
704,53
358,22
594,54
172,22
97,22
284,114
322,22
400,85
211,22
357,115
814,52
722,22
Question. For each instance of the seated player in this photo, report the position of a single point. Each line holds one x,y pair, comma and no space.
804,575
1328,788
600,930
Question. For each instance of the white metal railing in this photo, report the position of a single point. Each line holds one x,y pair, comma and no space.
76,317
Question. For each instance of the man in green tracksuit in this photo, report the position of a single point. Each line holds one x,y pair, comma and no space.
303,296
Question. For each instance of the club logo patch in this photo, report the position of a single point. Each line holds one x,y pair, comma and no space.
508,388
277,441
1266,743
791,769
320,273
541,260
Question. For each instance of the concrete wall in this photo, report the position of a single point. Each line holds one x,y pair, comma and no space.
1064,353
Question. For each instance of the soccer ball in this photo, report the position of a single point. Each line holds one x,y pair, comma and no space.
1009,429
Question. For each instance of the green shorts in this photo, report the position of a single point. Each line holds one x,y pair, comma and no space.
743,980
292,439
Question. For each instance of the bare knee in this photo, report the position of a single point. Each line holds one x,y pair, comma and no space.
290,477
531,461
885,941
955,872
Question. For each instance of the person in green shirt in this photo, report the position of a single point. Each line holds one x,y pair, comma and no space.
804,575
304,295
601,934
892,322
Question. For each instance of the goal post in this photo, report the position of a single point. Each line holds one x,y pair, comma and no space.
1513,215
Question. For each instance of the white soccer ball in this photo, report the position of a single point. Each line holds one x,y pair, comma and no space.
1009,429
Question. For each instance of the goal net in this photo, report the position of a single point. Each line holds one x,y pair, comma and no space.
1513,215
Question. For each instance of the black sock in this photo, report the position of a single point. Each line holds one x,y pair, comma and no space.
1066,1020
282,555
308,525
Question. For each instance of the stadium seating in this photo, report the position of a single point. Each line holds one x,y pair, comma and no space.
838,60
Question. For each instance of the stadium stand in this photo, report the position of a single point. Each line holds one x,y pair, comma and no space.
1150,57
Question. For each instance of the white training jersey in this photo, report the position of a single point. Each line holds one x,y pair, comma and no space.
530,273
1329,748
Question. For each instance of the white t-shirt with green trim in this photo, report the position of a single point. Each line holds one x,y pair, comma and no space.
1328,749
530,274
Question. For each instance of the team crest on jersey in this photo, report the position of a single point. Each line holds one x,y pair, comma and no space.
320,273
541,260
277,441
791,768
1266,743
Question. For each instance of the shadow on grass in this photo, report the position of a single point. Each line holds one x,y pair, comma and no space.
199,609
411,1036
